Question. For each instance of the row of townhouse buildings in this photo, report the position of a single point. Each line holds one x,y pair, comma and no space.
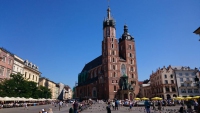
11,63
171,81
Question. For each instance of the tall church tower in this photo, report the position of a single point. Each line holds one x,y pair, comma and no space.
127,52
110,56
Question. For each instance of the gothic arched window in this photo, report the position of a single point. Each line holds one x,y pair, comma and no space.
113,59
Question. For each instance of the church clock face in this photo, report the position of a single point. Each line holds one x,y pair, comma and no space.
123,69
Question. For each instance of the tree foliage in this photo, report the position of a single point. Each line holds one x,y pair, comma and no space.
17,86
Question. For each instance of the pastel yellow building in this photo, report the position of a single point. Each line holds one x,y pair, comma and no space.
31,72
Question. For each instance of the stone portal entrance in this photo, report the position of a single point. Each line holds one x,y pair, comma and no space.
126,89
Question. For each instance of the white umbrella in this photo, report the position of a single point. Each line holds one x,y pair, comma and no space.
13,98
6,99
30,99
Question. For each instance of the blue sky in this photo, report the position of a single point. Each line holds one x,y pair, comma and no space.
61,36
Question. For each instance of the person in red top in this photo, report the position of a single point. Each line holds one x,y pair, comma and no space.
75,106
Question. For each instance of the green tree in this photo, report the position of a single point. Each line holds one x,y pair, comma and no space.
17,86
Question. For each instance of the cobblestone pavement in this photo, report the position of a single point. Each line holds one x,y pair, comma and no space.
35,109
101,108
95,108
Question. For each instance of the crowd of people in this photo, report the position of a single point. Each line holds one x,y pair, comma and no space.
185,106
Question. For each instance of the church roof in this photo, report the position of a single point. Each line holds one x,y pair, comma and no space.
92,64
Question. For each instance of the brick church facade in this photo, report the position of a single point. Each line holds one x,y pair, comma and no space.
113,74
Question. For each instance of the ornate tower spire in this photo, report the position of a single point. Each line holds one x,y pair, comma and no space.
108,12
109,21
126,35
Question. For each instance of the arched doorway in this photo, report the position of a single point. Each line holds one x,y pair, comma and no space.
174,95
168,97
131,96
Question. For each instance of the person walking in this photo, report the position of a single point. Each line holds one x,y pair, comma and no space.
60,105
108,108
147,106
159,106
75,107
25,106
116,104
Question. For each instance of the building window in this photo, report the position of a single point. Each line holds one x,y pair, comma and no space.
165,76
10,62
130,55
112,81
113,52
36,78
183,91
180,74
112,39
189,90
186,74
171,76
112,46
188,85
131,68
25,74
29,76
182,84
33,77
113,59
113,67
8,73
131,61
193,74
173,89
132,76
114,74
166,81
196,91
167,89
181,79
172,81
187,79
115,89
129,46
4,59
1,71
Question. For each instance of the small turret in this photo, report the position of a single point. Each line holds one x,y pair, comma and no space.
126,35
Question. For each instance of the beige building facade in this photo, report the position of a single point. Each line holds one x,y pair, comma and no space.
31,72
163,83
50,85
